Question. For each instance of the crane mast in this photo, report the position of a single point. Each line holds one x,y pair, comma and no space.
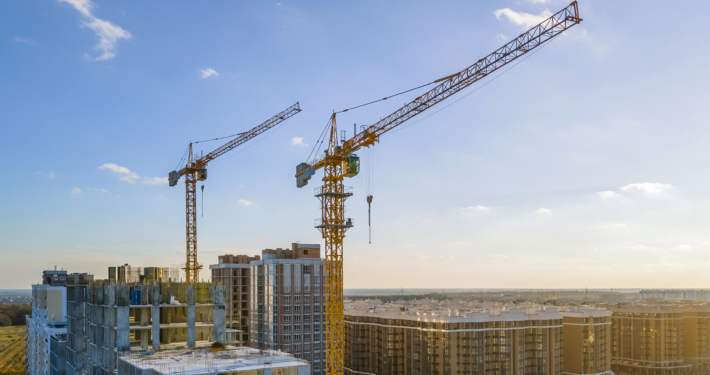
196,170
340,161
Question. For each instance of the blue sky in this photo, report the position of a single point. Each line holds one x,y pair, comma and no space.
582,166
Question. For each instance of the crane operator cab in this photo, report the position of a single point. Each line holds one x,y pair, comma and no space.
352,165
201,174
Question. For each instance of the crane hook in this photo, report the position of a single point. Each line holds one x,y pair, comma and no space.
202,187
369,223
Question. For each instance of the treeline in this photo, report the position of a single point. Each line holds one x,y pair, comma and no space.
14,315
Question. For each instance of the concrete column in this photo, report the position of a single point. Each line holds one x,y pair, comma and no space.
157,298
145,334
191,316
220,321
109,312
123,315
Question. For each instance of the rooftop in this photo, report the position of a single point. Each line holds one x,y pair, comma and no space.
202,361
451,311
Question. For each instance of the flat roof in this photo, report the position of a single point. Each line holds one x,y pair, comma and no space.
202,361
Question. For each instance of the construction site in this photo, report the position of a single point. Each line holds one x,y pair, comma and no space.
150,321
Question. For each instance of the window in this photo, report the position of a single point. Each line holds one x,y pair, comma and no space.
297,338
306,299
297,318
305,251
287,299
287,338
316,327
296,328
316,346
306,337
306,318
287,309
297,308
297,299
306,327
316,318
287,329
287,318
306,270
316,299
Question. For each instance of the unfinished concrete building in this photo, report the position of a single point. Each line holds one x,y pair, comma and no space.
105,320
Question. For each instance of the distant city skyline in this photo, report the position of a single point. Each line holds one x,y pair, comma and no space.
584,165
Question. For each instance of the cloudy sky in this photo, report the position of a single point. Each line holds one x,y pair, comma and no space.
584,165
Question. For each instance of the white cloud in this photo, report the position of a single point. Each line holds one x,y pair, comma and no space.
435,258
19,39
298,141
502,256
155,180
108,33
651,188
502,38
206,73
76,191
98,190
544,210
247,203
607,194
525,20
49,174
131,177
682,248
477,208
539,1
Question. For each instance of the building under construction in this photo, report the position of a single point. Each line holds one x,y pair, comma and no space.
105,320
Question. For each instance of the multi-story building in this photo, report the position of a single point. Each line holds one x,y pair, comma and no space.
232,271
676,294
696,337
287,303
49,319
105,320
587,340
425,337
648,340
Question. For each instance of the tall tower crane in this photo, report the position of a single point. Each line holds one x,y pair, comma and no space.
196,170
340,161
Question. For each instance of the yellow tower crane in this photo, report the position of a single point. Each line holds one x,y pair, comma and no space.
340,161
196,170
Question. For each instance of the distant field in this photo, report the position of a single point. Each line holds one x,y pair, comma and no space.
12,350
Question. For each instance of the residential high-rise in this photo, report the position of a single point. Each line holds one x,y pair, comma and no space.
48,322
232,271
587,340
448,338
648,340
287,303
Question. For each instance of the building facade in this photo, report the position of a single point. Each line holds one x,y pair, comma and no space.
48,321
648,340
587,341
287,303
696,337
430,338
232,271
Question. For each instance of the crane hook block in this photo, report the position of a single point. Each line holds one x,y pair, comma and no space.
308,171
352,165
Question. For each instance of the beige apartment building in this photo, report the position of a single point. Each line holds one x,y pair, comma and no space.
587,340
426,337
696,340
232,271
648,340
